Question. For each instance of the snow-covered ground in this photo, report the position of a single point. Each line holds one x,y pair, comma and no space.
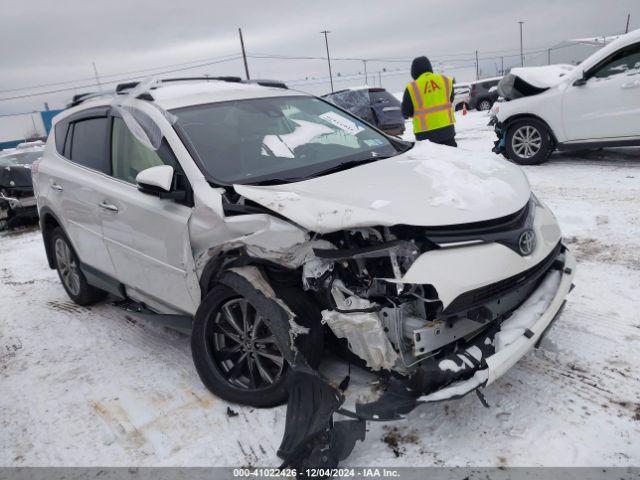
92,386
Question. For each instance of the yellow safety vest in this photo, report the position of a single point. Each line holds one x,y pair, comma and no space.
431,98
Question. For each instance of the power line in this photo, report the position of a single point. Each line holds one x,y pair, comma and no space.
120,80
113,75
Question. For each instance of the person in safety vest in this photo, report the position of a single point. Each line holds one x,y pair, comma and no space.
429,101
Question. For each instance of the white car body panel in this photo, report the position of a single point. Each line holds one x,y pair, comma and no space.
501,361
151,255
543,77
602,109
447,269
430,185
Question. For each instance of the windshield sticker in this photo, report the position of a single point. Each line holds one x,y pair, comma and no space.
342,123
373,142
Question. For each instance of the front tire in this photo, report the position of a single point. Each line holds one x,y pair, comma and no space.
67,264
234,350
528,142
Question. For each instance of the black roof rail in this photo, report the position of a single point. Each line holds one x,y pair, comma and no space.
82,97
126,86
269,83
121,88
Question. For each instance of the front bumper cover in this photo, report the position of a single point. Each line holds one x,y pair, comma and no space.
311,436
489,361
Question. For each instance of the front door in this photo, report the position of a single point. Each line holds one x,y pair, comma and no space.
608,105
147,237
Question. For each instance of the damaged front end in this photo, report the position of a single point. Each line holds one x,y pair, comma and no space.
17,202
413,304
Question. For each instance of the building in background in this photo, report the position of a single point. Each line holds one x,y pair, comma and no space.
16,128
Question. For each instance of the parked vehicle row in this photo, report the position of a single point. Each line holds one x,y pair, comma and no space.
483,93
461,95
17,202
374,105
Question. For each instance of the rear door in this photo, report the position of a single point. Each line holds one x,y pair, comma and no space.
74,184
147,237
608,106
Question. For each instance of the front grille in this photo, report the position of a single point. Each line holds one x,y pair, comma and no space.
482,295
463,231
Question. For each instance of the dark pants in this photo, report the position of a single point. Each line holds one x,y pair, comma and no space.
443,136
449,141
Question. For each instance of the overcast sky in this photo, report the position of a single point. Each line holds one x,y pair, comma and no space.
45,42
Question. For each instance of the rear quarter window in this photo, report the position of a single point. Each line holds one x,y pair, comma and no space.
61,134
89,144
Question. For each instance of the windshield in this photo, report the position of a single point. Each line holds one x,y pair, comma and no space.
19,158
276,138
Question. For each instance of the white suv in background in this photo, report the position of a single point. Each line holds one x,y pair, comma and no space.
265,220
595,104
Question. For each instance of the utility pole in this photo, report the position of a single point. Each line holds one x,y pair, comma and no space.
380,79
366,79
626,30
477,68
95,72
521,51
501,65
326,43
548,56
244,55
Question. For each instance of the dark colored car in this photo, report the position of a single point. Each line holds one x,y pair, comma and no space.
374,105
484,93
17,202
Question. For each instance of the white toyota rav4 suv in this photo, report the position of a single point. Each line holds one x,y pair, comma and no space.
269,223
595,104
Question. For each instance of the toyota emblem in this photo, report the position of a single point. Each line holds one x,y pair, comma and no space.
527,242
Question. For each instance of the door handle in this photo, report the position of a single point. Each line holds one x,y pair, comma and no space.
57,187
632,84
108,206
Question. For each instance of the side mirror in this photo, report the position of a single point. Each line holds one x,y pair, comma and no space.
581,81
157,181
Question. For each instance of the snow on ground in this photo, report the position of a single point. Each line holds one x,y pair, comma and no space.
93,386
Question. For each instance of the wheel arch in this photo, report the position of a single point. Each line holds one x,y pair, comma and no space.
48,223
216,267
524,116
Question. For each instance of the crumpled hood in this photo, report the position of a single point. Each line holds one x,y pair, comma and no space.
430,185
542,77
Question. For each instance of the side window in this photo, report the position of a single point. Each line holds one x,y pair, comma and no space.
128,155
89,144
67,142
61,135
623,61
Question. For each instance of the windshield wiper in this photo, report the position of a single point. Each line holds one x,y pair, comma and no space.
338,168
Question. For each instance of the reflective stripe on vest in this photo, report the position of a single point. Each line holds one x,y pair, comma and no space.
421,114
418,100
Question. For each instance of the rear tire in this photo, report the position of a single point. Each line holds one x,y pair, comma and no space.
67,264
484,105
528,142
233,364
